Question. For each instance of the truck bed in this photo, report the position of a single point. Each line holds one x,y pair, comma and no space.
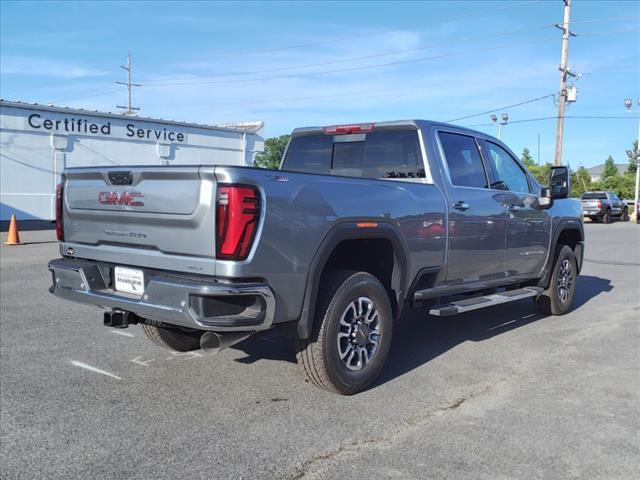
174,229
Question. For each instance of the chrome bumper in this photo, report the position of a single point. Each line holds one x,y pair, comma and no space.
173,299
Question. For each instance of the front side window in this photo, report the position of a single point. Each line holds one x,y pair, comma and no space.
510,175
463,159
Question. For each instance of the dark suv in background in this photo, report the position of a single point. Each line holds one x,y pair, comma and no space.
602,206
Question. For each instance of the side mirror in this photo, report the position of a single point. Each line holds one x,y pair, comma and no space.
545,200
559,182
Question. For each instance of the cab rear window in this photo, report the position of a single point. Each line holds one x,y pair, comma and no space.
378,154
594,196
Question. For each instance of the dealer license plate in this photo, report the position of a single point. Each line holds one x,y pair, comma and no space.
129,280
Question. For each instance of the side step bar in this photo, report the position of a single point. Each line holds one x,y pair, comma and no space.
475,303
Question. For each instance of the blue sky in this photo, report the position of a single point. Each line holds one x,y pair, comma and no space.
300,64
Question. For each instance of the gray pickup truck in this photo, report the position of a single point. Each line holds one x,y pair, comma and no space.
359,223
603,206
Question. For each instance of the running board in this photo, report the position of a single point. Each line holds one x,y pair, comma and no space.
475,303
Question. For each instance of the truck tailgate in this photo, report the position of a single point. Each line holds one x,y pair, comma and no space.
146,216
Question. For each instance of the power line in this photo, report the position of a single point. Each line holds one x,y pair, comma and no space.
501,108
603,20
368,34
379,32
365,67
82,77
198,78
59,82
352,59
555,117
95,92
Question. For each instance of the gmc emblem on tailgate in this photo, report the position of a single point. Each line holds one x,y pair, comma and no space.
128,199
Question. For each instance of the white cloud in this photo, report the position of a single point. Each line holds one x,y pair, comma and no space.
45,67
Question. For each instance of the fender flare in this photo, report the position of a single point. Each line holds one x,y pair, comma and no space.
349,231
563,226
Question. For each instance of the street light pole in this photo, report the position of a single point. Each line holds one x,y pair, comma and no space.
505,120
628,103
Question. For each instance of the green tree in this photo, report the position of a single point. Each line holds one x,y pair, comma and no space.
610,169
273,151
580,182
527,159
541,173
621,185
633,159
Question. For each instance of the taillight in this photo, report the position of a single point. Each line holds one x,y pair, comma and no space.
237,215
599,204
59,224
342,129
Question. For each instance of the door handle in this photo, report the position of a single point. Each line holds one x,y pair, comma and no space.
461,206
515,208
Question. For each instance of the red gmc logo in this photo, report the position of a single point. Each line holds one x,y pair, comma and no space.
121,198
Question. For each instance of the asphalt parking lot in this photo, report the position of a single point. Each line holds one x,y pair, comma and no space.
504,393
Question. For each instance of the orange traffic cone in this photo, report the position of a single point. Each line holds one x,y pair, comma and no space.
13,237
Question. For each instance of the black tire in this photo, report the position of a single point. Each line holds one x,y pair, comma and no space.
625,215
319,356
173,339
550,302
606,218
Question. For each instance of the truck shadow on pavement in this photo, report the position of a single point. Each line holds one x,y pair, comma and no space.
419,338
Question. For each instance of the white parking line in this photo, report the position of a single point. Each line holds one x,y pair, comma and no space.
124,334
528,316
501,325
94,369
144,363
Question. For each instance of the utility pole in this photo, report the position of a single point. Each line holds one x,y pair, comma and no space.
628,103
564,73
129,110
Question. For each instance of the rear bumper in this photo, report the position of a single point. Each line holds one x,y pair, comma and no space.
592,212
184,300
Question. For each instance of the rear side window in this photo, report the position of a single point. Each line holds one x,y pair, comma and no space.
378,154
309,154
509,173
463,159
594,196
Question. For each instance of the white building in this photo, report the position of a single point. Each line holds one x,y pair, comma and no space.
37,142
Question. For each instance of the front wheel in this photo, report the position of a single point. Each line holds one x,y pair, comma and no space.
557,298
351,336
625,215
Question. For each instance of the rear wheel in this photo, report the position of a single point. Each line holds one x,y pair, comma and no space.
173,339
557,298
351,336
606,218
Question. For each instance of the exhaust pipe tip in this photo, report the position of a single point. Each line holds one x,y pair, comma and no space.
214,343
